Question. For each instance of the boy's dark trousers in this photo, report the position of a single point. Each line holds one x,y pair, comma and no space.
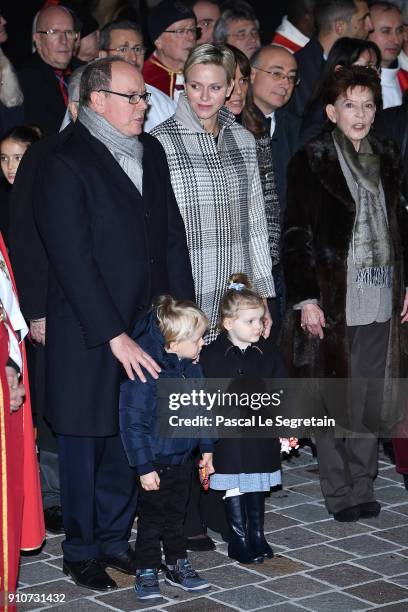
161,516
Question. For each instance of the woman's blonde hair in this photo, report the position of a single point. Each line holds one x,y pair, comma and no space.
178,319
207,53
239,296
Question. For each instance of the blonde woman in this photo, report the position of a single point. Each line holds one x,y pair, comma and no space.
215,178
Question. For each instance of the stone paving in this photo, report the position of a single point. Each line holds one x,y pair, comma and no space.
319,564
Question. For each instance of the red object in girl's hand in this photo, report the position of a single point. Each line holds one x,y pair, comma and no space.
204,477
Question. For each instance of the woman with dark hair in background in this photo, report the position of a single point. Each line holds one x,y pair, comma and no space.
13,145
345,52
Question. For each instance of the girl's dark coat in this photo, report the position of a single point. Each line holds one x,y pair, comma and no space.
222,359
317,233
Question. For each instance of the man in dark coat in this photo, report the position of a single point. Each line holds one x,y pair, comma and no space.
30,265
273,82
44,77
334,19
274,76
115,238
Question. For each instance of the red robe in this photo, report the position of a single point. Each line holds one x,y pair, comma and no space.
21,516
157,74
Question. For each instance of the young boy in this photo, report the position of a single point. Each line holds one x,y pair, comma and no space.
174,338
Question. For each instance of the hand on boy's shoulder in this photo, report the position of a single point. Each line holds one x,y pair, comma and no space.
133,357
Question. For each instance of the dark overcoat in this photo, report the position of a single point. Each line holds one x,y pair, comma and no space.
43,104
317,233
27,253
110,252
222,359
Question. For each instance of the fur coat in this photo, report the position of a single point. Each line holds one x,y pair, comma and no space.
317,232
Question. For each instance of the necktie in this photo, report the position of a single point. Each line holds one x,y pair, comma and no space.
268,123
62,76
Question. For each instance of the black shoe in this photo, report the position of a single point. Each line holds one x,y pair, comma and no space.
370,509
89,574
200,544
348,515
123,562
405,476
53,519
239,547
255,509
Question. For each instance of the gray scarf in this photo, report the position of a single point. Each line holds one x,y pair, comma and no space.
127,150
371,243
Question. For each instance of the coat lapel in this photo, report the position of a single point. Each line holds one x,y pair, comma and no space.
324,162
111,166
148,166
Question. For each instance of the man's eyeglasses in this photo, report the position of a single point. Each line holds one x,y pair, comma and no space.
54,34
125,50
132,98
244,34
278,75
194,32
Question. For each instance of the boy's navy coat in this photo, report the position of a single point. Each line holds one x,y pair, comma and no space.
138,409
221,359
110,252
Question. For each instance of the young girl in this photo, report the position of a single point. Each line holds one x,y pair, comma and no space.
12,148
174,338
244,468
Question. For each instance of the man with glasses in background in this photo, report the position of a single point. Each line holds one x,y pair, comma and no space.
274,78
44,79
238,26
207,13
124,39
173,30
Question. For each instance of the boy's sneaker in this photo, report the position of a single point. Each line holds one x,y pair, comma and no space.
147,584
183,575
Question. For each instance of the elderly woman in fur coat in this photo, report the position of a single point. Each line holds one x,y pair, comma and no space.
346,271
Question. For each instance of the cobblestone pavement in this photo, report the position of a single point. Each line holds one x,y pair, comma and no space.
319,564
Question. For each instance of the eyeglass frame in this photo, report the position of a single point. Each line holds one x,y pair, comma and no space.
127,49
58,32
282,75
182,31
144,96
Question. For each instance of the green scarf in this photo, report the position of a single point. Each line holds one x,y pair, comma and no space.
371,243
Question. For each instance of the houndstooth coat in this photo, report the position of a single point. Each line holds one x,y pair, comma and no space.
217,187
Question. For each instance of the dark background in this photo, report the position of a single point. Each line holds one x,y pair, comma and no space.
20,13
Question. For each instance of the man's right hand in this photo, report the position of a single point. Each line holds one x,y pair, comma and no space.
150,481
131,356
37,330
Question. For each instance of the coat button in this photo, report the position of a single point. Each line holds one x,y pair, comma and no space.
152,260
147,214
240,372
